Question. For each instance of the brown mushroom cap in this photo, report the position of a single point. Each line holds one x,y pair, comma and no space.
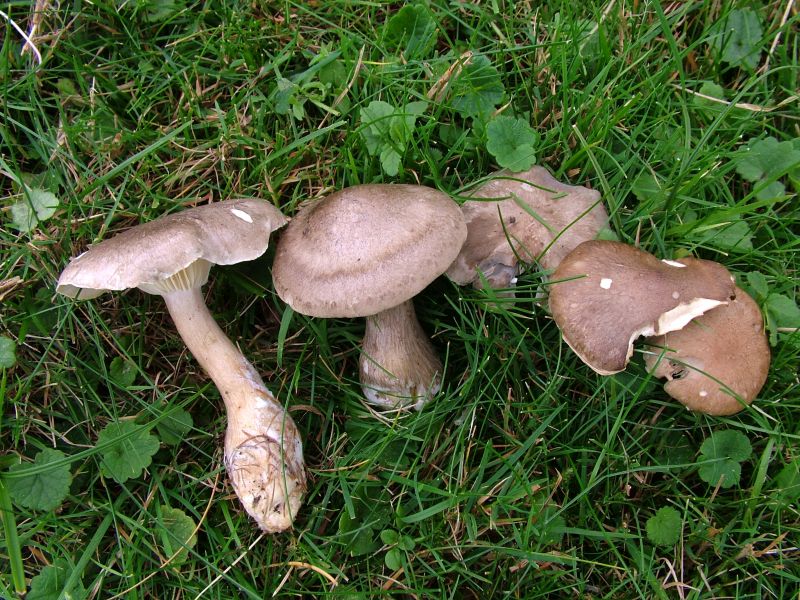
366,248
149,254
606,294
715,358
533,218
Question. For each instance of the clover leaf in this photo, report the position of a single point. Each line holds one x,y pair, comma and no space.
46,487
664,527
36,206
721,454
511,141
127,449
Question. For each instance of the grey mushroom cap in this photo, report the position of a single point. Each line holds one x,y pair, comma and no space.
719,362
147,255
606,294
366,248
528,216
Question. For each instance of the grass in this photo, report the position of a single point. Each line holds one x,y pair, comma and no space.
529,476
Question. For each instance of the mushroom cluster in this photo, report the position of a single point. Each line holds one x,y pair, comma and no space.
706,335
367,250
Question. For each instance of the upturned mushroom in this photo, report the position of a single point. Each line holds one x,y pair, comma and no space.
366,251
171,257
606,294
719,362
527,217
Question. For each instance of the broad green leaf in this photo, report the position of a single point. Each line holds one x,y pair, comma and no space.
8,352
734,235
758,284
45,490
122,372
130,451
477,89
783,310
393,559
712,90
389,536
174,428
375,118
511,141
412,29
407,543
737,38
288,98
664,527
37,205
177,534
763,161
157,11
388,130
49,584
786,485
721,454
647,188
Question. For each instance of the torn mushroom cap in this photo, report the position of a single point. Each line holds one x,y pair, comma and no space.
366,248
184,244
529,217
718,363
606,294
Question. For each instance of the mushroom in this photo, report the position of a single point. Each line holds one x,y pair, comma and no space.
529,217
366,251
718,363
171,257
606,294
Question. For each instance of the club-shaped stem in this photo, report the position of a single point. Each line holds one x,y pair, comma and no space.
263,450
398,365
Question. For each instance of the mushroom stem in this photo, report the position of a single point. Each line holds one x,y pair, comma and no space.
398,365
263,451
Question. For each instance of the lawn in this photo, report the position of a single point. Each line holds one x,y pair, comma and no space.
529,475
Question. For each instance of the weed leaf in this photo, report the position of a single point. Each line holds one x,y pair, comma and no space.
36,206
413,29
737,38
477,89
664,527
130,451
177,534
122,372
8,352
511,141
763,161
783,310
387,131
49,583
722,452
758,285
45,490
174,428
